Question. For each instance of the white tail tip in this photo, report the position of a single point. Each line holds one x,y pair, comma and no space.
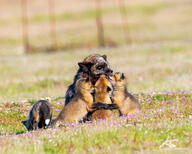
47,121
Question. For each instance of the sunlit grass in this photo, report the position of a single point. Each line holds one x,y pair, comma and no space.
165,118
157,63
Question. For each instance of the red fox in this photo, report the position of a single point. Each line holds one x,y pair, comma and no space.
126,102
80,105
102,89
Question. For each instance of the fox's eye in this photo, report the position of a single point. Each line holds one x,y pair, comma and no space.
99,67
109,89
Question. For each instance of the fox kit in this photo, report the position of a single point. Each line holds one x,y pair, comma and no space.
94,66
40,116
103,87
80,105
126,102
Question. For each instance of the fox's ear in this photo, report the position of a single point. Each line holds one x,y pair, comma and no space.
85,66
123,76
85,75
117,75
24,122
105,57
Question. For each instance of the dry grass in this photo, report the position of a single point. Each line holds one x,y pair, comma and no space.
157,64
149,22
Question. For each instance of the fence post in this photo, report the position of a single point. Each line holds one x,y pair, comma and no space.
125,26
52,24
25,34
100,29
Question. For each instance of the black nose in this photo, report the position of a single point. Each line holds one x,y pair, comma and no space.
109,71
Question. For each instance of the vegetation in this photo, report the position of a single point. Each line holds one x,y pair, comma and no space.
157,64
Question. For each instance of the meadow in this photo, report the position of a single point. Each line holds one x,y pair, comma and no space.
157,64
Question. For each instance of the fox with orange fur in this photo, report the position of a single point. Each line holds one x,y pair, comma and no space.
103,88
80,105
126,102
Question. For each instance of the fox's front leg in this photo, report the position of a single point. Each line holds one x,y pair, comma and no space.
89,106
104,106
35,125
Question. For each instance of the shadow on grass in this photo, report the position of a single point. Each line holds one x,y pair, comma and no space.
20,132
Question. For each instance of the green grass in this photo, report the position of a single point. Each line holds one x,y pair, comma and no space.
8,41
165,117
141,9
166,67
11,88
157,64
165,111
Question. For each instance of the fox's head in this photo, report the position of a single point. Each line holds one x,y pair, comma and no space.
103,85
120,79
28,124
95,65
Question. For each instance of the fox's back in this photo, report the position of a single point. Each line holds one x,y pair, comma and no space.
74,111
130,105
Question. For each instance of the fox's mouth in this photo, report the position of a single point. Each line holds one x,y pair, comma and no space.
109,76
95,77
92,92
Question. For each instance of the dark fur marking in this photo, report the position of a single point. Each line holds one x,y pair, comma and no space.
43,110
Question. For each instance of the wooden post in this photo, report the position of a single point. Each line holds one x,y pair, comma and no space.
125,26
100,29
52,23
25,26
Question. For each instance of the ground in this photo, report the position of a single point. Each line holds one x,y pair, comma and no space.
157,64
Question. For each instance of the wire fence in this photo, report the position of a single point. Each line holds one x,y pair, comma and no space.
75,25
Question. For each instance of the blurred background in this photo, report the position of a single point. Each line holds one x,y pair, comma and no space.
149,40
49,25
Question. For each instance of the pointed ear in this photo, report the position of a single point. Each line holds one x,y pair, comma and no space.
85,66
105,57
85,75
123,76
117,76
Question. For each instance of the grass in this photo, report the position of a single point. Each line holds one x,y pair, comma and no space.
159,76
157,64
166,118
91,14
141,9
153,68
147,23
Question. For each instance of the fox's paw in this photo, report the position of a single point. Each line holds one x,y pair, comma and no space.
99,106
103,106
